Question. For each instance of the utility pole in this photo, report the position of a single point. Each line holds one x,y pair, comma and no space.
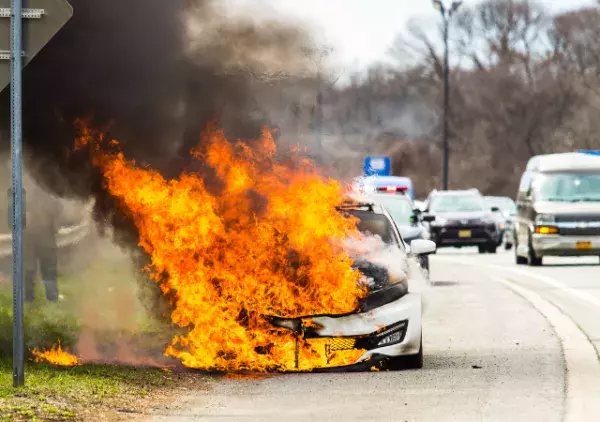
447,14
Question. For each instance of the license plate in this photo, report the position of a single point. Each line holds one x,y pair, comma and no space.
583,245
464,233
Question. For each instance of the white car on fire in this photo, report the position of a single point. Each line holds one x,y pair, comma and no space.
388,323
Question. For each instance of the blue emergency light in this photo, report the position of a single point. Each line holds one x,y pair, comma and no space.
589,152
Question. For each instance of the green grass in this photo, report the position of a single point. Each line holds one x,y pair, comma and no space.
52,393
101,297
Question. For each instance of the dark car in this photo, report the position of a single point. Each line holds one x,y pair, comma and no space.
558,208
459,218
506,215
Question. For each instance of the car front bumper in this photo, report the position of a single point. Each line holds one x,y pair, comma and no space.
365,330
561,245
450,236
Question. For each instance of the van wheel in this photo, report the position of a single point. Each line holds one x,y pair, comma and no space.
519,260
532,259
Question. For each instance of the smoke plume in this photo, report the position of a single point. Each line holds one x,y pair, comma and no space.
153,73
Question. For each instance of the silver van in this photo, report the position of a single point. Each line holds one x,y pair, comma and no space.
558,208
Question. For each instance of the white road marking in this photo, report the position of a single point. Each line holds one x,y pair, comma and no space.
583,368
586,297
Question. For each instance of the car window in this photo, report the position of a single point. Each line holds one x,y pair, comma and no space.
375,224
457,203
568,187
399,207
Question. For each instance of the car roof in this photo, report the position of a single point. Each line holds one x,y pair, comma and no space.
568,161
385,180
455,192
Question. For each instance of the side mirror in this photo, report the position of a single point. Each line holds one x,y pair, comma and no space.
429,218
421,247
495,209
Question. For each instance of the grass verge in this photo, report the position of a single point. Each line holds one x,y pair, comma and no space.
89,392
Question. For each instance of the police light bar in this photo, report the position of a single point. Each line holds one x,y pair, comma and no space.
392,188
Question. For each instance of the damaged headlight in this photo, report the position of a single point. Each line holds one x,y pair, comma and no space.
376,276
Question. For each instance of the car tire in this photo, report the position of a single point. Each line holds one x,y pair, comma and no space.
405,362
508,246
482,249
492,248
415,361
519,260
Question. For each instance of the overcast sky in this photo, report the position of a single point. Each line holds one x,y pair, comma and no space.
362,30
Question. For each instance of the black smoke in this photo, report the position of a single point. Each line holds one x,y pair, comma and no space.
155,72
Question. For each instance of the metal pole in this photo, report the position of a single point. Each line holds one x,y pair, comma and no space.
17,191
446,106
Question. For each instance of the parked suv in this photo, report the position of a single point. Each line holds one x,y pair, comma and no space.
558,208
461,218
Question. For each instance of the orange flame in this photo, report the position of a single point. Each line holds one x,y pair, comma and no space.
269,243
56,356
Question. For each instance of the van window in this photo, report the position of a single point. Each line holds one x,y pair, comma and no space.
568,187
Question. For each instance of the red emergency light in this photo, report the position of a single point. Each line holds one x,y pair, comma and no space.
392,188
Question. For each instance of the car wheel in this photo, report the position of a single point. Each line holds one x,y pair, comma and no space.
532,259
482,249
508,246
492,248
415,361
406,362
519,260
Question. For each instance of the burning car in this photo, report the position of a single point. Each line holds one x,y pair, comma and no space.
387,327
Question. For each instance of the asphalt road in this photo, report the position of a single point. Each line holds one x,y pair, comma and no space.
502,343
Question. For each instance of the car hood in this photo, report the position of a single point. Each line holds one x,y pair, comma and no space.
553,207
409,231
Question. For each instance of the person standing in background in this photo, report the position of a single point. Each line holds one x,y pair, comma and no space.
43,215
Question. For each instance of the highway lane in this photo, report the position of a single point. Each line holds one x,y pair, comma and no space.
490,355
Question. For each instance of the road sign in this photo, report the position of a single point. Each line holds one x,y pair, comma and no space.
41,21
378,166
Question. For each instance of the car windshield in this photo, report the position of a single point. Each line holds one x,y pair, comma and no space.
568,187
457,203
398,206
375,224
506,205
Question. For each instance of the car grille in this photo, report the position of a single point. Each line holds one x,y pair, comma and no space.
580,231
340,344
578,218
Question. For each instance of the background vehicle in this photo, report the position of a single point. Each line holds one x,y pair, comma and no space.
507,211
404,213
370,184
558,208
461,218
392,332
